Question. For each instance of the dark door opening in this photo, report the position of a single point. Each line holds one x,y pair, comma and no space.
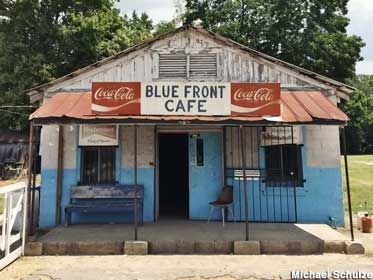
173,175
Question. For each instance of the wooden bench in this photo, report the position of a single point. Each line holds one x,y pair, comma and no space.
106,199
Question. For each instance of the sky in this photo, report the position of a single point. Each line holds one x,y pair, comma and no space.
360,14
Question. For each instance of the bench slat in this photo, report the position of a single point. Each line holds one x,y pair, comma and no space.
99,192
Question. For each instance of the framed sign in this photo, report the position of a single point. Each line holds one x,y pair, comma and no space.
98,135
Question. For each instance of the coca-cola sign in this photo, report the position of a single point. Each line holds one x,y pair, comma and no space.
186,98
116,98
255,99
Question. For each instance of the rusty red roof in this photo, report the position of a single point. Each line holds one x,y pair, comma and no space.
297,107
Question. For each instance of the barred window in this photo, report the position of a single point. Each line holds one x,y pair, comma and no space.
283,165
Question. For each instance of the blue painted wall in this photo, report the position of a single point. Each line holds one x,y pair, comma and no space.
205,182
321,196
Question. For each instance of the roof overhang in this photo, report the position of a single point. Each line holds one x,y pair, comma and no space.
297,107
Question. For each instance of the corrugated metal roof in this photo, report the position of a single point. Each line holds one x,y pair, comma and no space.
297,107
36,92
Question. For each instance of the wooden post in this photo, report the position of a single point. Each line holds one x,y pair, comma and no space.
26,212
59,174
243,152
135,179
347,183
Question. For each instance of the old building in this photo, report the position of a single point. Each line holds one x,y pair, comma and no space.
173,125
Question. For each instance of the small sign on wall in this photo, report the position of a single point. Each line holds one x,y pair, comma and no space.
98,135
281,136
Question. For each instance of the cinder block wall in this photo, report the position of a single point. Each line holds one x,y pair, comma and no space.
322,196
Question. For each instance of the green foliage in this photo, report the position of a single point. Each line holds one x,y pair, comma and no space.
360,110
164,27
43,40
308,33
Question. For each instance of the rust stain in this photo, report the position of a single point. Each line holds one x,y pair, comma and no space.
297,107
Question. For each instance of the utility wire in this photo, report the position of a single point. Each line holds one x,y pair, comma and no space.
18,106
12,112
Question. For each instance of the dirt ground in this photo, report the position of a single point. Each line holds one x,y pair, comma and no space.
229,267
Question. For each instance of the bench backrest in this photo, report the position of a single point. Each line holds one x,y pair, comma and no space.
107,192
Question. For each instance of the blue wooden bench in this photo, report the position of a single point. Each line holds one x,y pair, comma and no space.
106,199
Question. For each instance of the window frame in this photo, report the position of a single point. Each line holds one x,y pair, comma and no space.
287,181
99,149
200,150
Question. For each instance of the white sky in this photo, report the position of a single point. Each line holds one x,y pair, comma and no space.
360,13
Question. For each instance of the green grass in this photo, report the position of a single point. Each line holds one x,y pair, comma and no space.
361,182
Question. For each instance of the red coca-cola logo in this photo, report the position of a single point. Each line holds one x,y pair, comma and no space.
261,94
119,98
255,99
122,93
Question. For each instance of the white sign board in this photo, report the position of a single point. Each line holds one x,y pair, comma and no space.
98,135
180,98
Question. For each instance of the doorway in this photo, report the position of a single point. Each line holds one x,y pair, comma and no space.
173,175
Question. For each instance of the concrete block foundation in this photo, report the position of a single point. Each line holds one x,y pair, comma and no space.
83,248
33,249
246,247
136,248
337,246
354,248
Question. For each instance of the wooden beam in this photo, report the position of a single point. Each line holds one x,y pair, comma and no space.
59,174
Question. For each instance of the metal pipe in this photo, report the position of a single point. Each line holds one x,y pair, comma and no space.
59,174
135,179
347,183
243,151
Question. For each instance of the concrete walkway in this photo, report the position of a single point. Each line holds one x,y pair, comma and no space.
191,237
193,231
179,267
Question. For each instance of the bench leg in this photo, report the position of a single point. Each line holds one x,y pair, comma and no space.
68,218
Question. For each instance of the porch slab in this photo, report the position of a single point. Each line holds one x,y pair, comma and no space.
198,237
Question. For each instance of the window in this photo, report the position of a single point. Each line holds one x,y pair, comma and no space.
200,153
283,165
182,66
98,165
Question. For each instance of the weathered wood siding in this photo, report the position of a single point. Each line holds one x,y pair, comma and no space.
233,64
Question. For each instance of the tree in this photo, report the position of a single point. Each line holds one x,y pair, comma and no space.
360,110
164,27
308,33
45,39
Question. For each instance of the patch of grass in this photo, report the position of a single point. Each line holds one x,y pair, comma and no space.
361,182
